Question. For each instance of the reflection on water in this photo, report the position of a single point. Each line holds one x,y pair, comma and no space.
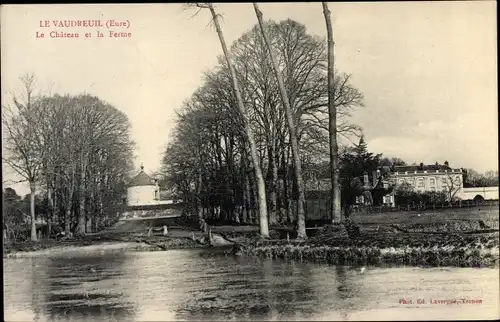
90,284
182,285
66,288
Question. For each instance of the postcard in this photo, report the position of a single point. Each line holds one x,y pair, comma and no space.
248,161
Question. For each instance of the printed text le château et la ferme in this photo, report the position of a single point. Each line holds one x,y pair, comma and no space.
84,29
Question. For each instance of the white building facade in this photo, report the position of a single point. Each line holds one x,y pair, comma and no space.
144,191
431,178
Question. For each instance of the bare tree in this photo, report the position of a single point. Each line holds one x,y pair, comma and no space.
210,122
452,183
89,155
302,59
75,150
22,146
335,210
187,157
301,227
264,229
472,178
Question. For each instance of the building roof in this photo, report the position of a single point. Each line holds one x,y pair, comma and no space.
142,179
413,168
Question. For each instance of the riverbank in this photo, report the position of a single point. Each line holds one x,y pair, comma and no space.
375,253
104,241
330,245
71,249
460,244
419,239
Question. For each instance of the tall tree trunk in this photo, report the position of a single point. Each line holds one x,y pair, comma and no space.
67,219
276,182
286,195
254,200
199,204
261,187
246,200
99,197
69,205
335,210
81,214
32,211
88,225
301,222
55,209
247,211
272,184
50,214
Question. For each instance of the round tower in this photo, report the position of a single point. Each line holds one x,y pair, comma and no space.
141,191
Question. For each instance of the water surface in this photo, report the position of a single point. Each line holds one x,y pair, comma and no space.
183,285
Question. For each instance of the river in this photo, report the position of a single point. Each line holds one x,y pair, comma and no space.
183,285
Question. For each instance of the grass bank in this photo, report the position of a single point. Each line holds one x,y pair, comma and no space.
375,249
414,250
126,240
463,239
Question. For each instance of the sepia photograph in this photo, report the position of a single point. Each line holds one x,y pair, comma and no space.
295,161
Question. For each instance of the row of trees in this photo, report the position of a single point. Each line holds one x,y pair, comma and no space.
75,151
472,178
245,140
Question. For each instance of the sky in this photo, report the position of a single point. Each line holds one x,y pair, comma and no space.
427,69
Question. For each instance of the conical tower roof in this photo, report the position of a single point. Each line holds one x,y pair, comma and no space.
141,179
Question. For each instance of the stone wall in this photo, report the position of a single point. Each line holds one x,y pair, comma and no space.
142,213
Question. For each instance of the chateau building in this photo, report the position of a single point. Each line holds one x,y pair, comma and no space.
422,178
430,178
379,187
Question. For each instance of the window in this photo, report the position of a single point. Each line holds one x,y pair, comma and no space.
412,182
444,183
432,184
401,181
420,182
